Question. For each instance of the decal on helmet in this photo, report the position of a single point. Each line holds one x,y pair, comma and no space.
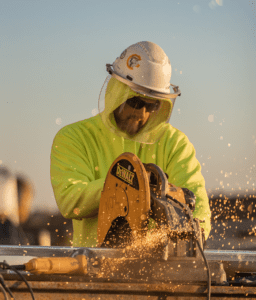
123,54
133,61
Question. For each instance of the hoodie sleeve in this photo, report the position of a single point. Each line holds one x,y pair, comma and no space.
76,190
184,170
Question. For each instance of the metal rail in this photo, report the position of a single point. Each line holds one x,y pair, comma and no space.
60,251
233,260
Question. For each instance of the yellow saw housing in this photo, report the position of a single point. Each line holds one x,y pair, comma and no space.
126,195
126,199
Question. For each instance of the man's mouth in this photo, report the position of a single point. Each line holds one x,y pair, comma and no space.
134,118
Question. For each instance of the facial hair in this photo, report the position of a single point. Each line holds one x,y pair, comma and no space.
132,125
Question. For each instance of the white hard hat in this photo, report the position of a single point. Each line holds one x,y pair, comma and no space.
146,69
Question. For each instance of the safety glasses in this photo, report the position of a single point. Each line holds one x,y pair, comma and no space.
138,103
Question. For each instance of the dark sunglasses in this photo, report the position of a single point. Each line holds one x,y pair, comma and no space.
137,103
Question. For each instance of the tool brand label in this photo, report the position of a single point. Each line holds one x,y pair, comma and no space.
125,174
125,171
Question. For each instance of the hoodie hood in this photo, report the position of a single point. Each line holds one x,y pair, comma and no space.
114,93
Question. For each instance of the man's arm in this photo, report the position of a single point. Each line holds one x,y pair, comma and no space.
184,170
76,191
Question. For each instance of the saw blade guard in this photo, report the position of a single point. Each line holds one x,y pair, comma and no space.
125,202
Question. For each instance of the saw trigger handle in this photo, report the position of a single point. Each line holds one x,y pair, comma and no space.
157,180
190,198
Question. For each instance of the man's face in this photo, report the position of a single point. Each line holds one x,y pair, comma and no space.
132,115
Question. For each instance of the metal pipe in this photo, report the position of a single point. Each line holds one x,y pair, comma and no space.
233,260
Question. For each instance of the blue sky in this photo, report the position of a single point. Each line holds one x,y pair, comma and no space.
53,57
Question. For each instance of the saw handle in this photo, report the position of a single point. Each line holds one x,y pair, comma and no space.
157,178
190,198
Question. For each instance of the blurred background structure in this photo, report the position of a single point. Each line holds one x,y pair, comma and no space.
18,226
53,67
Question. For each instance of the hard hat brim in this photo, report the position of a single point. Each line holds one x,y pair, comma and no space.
144,90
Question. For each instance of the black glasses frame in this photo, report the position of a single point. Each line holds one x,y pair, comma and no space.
138,103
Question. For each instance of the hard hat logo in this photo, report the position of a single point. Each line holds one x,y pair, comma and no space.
133,60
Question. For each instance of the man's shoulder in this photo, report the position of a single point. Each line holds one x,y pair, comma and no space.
82,125
173,132
174,138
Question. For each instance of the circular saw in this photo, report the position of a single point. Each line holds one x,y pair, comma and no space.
133,194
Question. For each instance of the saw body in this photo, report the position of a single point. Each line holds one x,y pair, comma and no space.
135,192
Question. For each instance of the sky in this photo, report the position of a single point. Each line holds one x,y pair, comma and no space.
52,67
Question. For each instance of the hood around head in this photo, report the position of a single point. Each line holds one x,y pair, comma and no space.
116,94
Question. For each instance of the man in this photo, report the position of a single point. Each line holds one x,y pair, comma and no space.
16,195
136,108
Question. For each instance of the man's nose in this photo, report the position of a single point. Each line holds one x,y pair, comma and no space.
140,113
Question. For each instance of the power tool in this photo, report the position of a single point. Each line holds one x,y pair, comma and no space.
133,194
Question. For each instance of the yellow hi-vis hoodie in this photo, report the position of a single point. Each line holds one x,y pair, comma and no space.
83,152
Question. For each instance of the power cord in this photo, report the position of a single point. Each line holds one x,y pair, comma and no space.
3,291
190,217
5,287
5,265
